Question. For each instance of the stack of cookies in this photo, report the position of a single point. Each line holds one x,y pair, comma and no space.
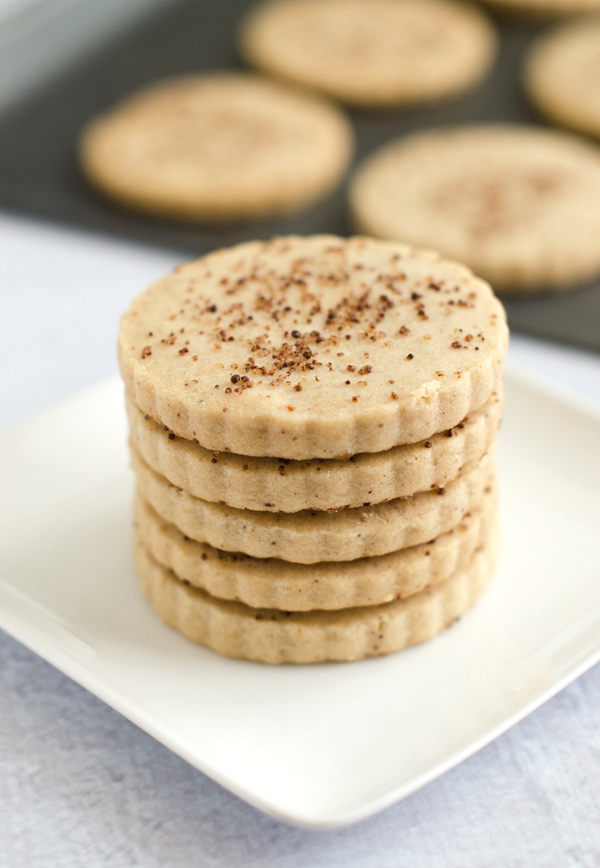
312,431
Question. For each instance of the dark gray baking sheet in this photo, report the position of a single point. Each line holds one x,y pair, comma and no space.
39,176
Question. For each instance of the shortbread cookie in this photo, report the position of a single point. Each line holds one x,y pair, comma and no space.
562,75
218,147
520,205
317,347
372,52
272,636
276,584
546,8
309,536
290,486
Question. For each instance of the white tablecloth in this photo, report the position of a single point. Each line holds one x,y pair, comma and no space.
81,786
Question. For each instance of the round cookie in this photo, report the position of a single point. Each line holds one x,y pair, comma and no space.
317,347
277,485
372,52
308,537
545,8
562,75
272,636
217,147
520,205
276,584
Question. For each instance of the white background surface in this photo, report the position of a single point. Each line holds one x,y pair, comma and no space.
79,785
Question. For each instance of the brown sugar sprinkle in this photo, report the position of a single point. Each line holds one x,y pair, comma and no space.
347,383
183,351
428,444
297,387
147,351
351,368
456,345
245,467
403,331
235,378
204,556
366,369
171,436
409,357
393,396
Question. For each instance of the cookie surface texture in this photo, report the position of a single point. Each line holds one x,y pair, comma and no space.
520,205
309,536
372,52
276,584
217,147
271,636
562,75
316,347
290,486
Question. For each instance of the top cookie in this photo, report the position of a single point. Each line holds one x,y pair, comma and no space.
520,205
217,146
372,52
316,347
562,74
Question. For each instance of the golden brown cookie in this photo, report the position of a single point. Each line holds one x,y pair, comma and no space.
273,636
562,75
276,584
277,485
317,347
217,147
520,205
309,536
372,52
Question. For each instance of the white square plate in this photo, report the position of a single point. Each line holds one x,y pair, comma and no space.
315,745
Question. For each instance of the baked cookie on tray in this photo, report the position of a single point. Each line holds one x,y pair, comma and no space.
562,75
217,147
372,53
519,204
